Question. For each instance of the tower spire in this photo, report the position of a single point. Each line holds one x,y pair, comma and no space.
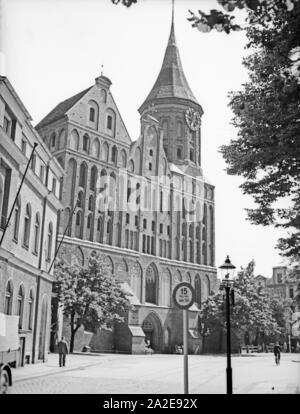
172,40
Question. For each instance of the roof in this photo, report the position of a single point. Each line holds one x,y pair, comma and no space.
16,96
171,81
60,110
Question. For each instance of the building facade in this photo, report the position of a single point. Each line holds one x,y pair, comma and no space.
144,205
27,248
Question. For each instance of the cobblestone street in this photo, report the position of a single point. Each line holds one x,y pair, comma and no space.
158,374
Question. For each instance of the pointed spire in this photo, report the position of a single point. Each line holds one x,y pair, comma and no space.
171,81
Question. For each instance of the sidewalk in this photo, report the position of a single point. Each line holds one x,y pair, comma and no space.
73,362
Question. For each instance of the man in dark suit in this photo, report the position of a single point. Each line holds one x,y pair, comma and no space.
63,350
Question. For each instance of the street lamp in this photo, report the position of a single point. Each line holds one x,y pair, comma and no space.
227,275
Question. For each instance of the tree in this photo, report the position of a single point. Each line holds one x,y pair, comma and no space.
89,296
251,312
267,116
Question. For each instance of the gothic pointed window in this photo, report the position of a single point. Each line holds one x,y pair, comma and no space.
30,309
20,305
17,218
36,233
27,223
8,298
151,285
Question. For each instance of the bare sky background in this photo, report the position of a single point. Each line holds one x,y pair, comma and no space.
53,49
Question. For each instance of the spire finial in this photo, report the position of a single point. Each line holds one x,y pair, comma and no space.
173,12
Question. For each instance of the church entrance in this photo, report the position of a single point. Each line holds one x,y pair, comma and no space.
153,332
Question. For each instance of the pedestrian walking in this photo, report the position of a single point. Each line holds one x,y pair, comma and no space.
63,350
277,351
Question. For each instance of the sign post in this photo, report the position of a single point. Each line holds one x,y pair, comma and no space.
184,296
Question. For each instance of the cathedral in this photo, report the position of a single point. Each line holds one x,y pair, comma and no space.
144,205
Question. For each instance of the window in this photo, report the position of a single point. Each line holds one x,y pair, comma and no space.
144,223
24,146
168,230
17,218
179,153
151,152
114,154
89,222
161,228
53,141
150,166
42,173
109,122
54,186
50,236
20,308
86,141
7,125
92,114
127,218
136,220
27,222
151,285
82,175
91,203
4,194
33,162
36,233
279,277
192,155
30,309
291,293
153,226
8,298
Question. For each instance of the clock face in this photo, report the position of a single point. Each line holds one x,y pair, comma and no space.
193,119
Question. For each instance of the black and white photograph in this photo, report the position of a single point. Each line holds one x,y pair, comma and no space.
149,199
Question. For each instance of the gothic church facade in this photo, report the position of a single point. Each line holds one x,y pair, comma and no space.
158,225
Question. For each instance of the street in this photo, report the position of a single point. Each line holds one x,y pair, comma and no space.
158,374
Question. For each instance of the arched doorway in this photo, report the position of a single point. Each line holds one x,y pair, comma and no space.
153,331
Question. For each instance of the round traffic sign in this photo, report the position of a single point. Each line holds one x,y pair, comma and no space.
184,295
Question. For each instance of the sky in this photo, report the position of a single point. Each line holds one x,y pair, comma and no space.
53,49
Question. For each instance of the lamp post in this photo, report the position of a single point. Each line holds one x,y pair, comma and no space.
227,274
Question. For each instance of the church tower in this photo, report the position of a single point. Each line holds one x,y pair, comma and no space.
174,105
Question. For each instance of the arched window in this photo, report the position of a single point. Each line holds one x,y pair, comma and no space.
179,153
17,213
104,152
74,140
91,203
114,154
82,174
204,235
80,202
49,241
93,114
93,181
100,230
212,236
90,227
30,309
137,161
27,223
179,129
110,122
96,148
151,285
36,233
192,157
86,143
198,291
78,230
53,141
131,166
9,291
123,159
20,307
